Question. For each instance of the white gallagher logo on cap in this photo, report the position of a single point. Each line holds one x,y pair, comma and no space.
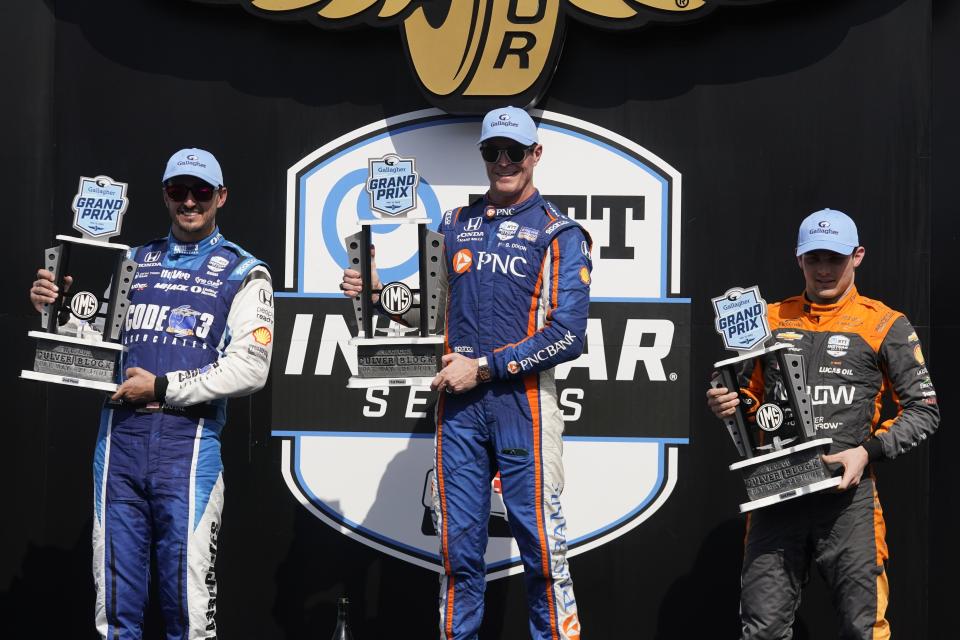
360,459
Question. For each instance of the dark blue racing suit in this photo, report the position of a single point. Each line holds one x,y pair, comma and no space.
518,293
202,316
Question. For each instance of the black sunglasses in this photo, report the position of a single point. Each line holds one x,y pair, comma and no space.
515,152
202,192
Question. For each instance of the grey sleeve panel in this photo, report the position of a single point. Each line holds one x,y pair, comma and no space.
918,414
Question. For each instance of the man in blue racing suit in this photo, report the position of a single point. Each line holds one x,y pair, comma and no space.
518,294
199,329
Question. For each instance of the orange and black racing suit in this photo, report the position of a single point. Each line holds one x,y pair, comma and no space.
855,352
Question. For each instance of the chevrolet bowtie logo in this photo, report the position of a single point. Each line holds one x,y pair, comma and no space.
473,55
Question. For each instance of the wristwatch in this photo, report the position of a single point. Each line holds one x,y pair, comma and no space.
483,370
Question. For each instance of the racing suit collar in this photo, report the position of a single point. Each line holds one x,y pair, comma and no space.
814,309
514,209
175,247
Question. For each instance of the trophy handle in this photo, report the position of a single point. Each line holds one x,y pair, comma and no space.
53,258
795,378
736,424
119,297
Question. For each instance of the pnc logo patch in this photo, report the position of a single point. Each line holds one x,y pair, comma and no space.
462,260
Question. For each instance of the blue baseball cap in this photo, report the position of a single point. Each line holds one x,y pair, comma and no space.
828,229
509,122
194,162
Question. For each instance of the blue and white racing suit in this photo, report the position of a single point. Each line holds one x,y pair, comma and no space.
200,315
518,293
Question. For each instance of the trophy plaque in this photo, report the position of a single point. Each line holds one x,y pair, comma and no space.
79,341
781,454
408,354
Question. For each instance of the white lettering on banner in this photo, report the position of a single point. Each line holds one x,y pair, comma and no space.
414,401
379,408
502,264
298,343
567,401
336,335
653,356
827,394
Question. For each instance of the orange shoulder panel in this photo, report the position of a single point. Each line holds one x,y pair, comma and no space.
878,318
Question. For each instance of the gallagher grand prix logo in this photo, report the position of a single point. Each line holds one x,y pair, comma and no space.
473,55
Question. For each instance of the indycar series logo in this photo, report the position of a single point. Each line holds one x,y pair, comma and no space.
360,459
493,51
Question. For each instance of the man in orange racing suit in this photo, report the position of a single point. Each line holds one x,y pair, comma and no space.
855,350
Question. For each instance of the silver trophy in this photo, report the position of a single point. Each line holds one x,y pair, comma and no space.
408,354
780,450
79,341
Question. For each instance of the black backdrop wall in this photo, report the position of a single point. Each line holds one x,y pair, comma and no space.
769,112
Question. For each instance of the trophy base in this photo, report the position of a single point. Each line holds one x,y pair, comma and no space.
69,381
76,362
786,474
356,382
402,361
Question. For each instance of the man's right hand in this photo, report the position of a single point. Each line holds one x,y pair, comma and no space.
44,291
722,402
352,283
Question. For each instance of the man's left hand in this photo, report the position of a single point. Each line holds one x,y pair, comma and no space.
137,388
854,461
459,374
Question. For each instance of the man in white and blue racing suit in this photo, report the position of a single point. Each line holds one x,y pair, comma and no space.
199,329
518,295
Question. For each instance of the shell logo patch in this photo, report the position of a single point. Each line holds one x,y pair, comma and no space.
262,335
918,354
584,275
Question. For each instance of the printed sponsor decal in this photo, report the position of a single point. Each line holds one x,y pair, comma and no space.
528,233
182,321
262,335
462,260
789,335
216,265
918,355
838,345
507,230
584,275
